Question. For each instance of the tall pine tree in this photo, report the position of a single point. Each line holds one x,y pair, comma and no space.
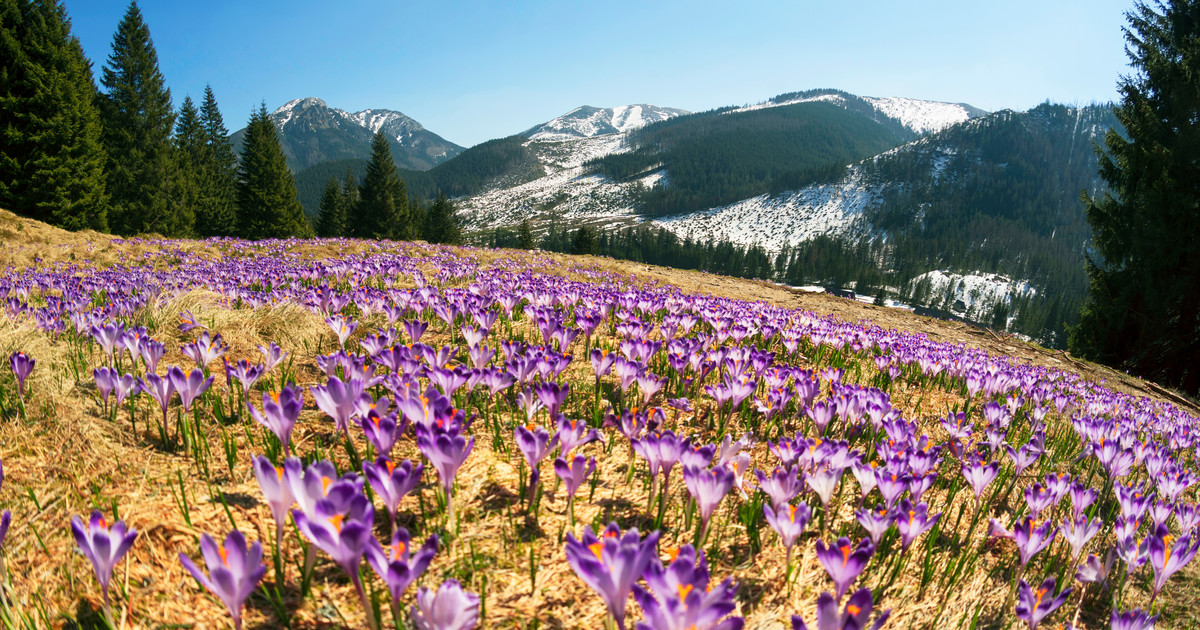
331,218
441,224
51,159
216,212
1143,308
191,161
138,119
382,210
267,204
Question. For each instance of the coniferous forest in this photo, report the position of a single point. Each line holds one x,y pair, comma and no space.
118,156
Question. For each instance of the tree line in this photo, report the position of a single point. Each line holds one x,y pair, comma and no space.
119,158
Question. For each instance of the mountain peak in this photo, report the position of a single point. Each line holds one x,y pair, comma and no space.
313,132
587,121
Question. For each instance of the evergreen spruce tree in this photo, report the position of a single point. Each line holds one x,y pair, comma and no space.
216,213
1143,308
442,222
51,158
190,160
525,235
349,200
584,241
267,204
138,119
382,210
331,220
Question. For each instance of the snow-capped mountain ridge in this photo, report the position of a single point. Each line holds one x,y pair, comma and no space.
587,121
917,115
313,132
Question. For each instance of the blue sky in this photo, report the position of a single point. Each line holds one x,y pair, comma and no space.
472,71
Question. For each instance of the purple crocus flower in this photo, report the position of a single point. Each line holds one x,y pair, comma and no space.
104,545
336,398
782,485
205,350
414,328
854,617
161,389
707,487
234,570
1078,532
574,472
449,608
382,429
396,565
187,322
340,525
1081,498
280,411
152,352
789,522
1038,498
649,384
392,481
914,520
844,561
824,481
276,490
273,355
876,521
1168,555
446,449
980,475
1031,540
1093,570
535,444
680,596
572,434
611,563
190,386
1133,620
105,378
22,365
1035,605
602,362
341,327
553,396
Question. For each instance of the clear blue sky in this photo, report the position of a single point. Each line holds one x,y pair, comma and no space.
472,71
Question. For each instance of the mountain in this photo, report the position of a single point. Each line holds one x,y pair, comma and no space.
506,163
967,213
313,133
588,121
915,115
693,162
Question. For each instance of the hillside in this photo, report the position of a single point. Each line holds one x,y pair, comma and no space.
66,450
314,133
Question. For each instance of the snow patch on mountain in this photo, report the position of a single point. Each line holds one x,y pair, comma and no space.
915,114
837,99
775,221
396,122
920,116
283,115
566,192
979,292
587,121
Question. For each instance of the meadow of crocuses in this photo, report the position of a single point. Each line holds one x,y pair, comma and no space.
396,435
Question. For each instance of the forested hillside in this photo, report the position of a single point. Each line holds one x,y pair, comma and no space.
721,156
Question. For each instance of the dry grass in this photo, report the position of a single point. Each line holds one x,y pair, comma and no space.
65,459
